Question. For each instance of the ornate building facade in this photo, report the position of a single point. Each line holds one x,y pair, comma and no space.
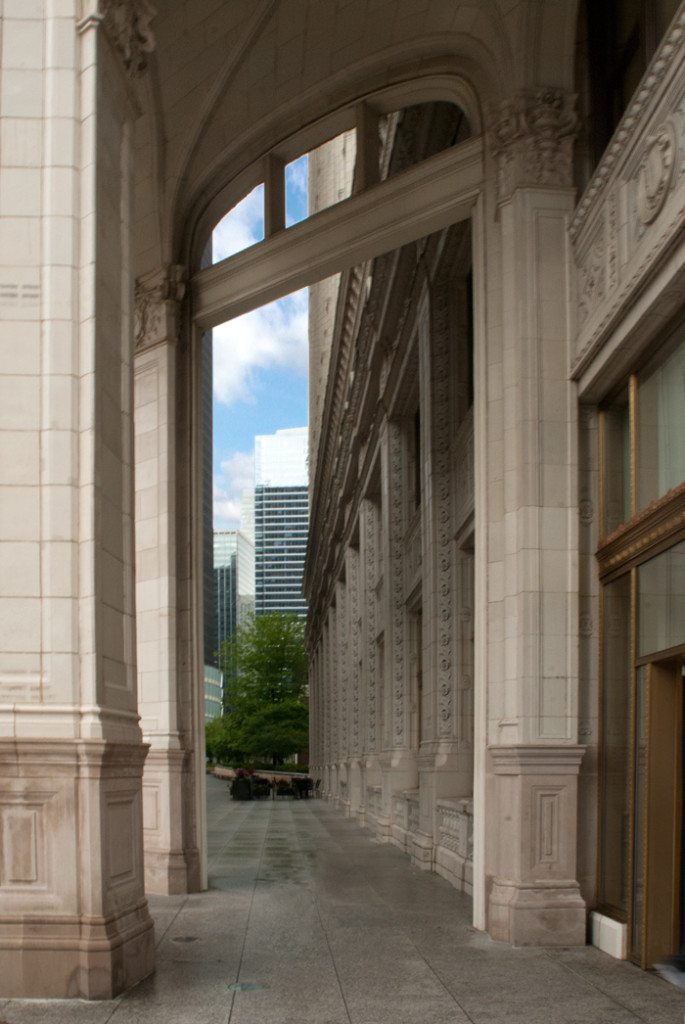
495,578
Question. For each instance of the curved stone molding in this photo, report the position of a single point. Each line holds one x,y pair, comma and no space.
128,24
531,138
158,298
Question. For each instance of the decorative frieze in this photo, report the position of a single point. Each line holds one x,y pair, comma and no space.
532,140
633,211
158,299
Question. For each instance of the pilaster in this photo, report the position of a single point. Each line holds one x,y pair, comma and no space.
158,296
532,710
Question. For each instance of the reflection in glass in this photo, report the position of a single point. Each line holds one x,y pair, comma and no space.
661,601
615,747
616,463
661,429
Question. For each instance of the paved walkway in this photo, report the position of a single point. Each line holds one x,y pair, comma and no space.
309,921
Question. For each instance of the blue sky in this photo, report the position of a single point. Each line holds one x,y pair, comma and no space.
260,359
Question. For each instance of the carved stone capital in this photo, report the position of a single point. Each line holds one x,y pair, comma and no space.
128,24
531,137
157,305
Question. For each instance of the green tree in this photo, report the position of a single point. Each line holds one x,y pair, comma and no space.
265,669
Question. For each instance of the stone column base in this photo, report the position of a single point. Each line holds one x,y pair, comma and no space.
537,916
422,851
74,922
77,958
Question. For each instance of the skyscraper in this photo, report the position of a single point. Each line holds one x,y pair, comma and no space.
281,517
234,584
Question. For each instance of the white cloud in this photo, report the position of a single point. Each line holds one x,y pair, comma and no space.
237,473
241,227
275,336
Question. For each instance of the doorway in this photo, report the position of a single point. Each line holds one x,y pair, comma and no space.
657,923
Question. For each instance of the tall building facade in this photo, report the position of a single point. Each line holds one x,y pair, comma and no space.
281,520
495,567
234,584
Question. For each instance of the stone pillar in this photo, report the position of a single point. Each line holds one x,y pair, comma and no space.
532,707
74,920
370,674
354,627
158,297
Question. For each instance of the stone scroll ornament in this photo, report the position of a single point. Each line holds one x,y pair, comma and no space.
531,137
128,24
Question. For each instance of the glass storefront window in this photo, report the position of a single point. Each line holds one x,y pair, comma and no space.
615,747
661,601
660,450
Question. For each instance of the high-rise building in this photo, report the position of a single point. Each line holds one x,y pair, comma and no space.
234,584
281,520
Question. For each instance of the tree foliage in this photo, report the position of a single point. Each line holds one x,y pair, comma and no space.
265,673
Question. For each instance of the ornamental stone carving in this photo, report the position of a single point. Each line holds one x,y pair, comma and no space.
655,172
532,140
440,443
397,566
128,24
157,305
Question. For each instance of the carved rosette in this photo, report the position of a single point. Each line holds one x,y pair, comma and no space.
397,559
128,23
157,309
353,584
440,444
531,138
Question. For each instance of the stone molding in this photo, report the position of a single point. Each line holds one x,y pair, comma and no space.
158,298
531,137
526,759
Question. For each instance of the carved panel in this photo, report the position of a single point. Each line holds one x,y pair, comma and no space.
442,499
21,846
355,645
334,683
121,833
397,568
546,825
344,667
370,555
